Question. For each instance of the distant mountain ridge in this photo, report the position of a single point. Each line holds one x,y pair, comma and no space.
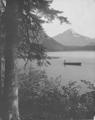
51,45
70,38
68,41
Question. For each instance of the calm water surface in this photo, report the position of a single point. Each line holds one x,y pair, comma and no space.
70,73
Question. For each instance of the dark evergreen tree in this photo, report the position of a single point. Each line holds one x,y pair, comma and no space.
19,18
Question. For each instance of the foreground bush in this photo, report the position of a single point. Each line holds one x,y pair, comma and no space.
43,99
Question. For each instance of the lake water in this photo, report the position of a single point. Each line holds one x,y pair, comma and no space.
69,72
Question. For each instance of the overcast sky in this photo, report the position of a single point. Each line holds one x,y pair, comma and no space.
81,14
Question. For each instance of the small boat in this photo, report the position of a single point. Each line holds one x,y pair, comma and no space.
72,63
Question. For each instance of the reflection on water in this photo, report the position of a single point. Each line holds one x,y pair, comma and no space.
84,72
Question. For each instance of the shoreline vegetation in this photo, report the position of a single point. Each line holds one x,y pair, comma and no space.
41,98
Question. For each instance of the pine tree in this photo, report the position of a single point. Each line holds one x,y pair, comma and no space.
19,17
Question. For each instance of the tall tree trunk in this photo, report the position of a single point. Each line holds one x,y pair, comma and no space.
0,86
11,111
0,75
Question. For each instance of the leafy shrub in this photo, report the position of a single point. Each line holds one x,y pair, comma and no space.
43,99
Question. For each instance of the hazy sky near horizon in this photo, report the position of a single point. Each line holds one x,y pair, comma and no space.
81,14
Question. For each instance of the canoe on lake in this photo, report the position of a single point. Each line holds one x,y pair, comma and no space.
72,63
